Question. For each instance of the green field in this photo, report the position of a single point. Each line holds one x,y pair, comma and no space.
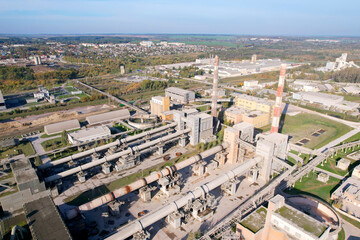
309,185
23,148
304,124
330,164
53,144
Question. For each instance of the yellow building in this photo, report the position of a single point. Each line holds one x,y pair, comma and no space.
159,104
236,115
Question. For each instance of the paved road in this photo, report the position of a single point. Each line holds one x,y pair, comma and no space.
351,232
340,139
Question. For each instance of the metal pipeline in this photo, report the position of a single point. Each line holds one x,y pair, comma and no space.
149,219
106,146
116,156
143,182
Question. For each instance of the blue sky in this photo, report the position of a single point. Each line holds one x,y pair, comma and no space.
261,17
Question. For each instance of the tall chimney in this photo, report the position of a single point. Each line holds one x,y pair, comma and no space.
278,101
215,87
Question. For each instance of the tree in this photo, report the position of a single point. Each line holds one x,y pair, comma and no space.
64,139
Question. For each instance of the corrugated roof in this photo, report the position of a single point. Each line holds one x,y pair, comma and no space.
108,117
62,126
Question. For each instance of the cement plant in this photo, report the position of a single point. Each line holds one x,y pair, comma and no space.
177,136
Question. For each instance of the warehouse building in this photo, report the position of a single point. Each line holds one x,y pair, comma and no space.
180,95
327,100
89,134
62,126
108,117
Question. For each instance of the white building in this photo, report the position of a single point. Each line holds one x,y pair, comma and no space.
2,102
327,100
200,77
180,95
351,90
251,85
89,135
146,43
339,64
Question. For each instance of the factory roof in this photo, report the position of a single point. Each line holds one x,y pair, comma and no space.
235,110
20,164
177,90
352,89
252,98
93,131
203,115
255,220
301,220
275,137
242,125
324,96
46,222
190,111
61,126
108,117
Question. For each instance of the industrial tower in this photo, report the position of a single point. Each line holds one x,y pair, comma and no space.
215,87
278,101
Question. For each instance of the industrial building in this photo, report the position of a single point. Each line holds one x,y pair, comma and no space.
2,102
327,100
45,221
251,85
351,90
113,116
339,64
281,221
201,125
159,104
180,95
254,110
62,126
89,134
26,177
348,193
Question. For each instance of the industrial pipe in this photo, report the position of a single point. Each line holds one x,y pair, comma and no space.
149,219
143,182
106,146
116,156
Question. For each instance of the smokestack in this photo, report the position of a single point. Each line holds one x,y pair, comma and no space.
278,101
215,87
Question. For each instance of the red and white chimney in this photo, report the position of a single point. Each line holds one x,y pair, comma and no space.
278,101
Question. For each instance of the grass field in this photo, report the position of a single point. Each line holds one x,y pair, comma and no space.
330,164
52,144
353,138
304,124
23,148
309,185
